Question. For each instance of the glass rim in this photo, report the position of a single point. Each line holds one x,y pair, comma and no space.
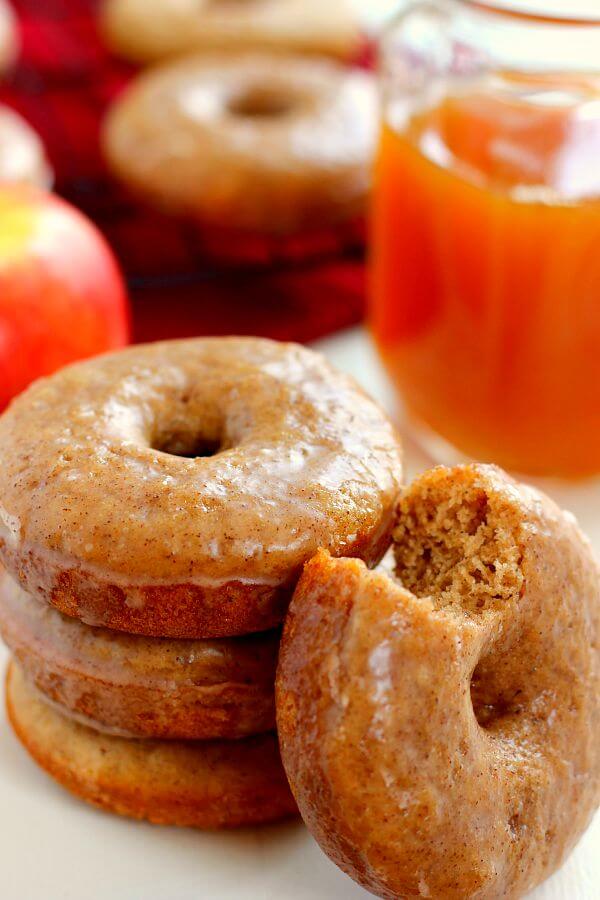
520,14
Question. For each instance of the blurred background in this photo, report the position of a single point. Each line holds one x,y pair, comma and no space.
63,81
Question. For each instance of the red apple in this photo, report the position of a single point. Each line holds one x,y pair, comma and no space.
62,297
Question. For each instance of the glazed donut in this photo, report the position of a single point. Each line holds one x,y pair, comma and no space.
441,736
261,144
22,155
203,784
9,38
104,515
149,30
142,687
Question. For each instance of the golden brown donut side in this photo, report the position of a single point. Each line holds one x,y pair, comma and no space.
443,741
142,687
214,784
182,611
176,611
225,713
112,510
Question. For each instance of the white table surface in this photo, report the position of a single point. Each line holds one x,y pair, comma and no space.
53,847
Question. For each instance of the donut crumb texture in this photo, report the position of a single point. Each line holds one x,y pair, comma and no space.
456,543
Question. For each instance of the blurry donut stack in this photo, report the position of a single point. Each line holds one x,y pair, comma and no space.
253,130
156,507
233,170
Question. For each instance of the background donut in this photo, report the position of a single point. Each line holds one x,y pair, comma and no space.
149,30
254,143
443,741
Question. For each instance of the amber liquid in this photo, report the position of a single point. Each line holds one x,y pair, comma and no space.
486,274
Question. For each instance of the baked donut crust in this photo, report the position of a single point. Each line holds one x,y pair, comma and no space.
253,143
22,154
142,687
442,740
202,784
9,37
99,523
149,30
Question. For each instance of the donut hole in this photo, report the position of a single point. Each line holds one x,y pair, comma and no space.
262,102
189,449
456,545
188,426
495,701
185,442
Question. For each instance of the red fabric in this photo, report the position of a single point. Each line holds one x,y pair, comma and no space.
63,84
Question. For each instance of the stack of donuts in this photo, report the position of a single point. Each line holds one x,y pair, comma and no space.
438,719
156,509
